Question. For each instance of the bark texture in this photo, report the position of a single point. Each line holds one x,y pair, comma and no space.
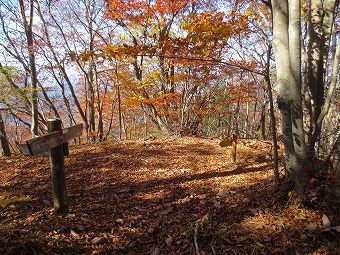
3,139
286,43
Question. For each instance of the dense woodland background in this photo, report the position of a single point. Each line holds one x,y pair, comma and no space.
131,69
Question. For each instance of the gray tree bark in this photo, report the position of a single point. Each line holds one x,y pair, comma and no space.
28,25
3,138
286,43
320,25
301,178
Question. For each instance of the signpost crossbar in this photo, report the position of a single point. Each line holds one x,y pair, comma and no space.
55,143
51,140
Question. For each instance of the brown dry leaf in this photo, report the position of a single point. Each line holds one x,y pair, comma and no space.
80,228
267,238
246,200
337,229
218,205
311,227
253,211
325,221
167,205
169,241
120,221
151,230
100,240
125,190
108,181
74,234
155,251
166,211
259,244
222,193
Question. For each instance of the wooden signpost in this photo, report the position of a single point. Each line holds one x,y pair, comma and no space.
56,143
230,141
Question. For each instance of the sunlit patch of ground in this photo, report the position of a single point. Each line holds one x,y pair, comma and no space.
163,196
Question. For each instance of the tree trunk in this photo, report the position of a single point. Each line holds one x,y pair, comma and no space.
334,190
286,47
273,120
90,79
301,178
262,126
3,138
28,25
120,114
281,50
63,70
320,24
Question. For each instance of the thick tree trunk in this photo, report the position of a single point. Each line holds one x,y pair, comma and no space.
281,50
287,53
334,191
301,178
3,138
320,24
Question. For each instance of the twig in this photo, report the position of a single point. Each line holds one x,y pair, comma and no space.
253,251
195,239
213,250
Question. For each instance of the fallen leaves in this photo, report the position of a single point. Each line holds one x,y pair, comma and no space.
120,221
7,199
325,222
327,225
169,241
75,234
167,197
100,240
311,227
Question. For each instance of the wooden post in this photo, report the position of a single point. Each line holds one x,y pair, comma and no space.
55,142
58,171
233,147
66,151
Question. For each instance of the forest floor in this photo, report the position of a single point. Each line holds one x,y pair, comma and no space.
164,196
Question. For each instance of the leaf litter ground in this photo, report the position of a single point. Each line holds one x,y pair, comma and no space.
163,196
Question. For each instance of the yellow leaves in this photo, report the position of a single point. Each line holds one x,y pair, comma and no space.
143,84
137,98
87,55
7,200
4,202
246,14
